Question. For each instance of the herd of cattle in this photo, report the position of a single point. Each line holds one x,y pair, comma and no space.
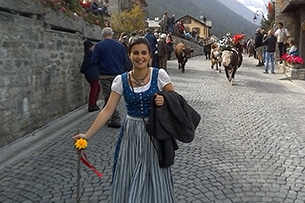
229,57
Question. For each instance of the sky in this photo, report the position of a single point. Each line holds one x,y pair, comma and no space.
255,5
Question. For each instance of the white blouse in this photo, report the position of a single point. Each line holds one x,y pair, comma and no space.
281,34
163,79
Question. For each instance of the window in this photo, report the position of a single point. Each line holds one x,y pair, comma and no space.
187,20
197,29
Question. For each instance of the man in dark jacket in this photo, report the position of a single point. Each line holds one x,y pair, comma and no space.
270,43
259,46
153,47
111,57
125,43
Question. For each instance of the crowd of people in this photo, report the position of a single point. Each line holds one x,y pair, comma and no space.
96,6
161,46
266,43
264,46
169,25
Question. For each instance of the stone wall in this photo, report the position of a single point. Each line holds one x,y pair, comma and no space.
198,50
292,21
40,56
286,18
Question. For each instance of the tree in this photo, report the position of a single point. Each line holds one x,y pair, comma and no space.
74,5
128,21
267,23
72,8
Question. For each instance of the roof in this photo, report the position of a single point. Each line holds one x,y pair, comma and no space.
206,23
293,6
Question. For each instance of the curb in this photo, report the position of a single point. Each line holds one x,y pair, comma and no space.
30,142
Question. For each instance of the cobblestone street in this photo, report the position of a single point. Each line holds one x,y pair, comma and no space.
248,147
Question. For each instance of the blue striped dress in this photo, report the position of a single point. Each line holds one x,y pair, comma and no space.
137,176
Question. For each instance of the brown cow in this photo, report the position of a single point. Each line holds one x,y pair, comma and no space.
215,57
231,60
182,54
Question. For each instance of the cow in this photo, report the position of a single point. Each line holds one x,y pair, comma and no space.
231,60
182,54
215,57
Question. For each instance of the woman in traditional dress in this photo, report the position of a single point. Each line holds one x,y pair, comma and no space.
137,176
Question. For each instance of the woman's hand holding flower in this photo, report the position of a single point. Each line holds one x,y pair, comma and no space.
80,135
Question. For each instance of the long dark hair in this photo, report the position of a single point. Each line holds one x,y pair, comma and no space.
138,40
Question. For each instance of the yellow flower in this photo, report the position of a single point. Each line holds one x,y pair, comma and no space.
81,144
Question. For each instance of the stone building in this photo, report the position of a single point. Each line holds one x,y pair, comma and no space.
292,14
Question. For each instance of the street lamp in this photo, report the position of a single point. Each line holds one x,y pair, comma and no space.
256,14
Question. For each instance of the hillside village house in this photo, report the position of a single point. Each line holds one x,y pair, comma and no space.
202,26
153,24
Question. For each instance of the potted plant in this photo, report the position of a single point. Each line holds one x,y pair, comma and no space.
292,61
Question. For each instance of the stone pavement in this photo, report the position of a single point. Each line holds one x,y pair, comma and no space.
249,146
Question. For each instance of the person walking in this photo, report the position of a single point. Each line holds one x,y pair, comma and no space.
162,51
264,47
171,25
111,58
137,175
270,42
282,36
91,72
170,46
180,29
125,43
163,23
153,47
258,42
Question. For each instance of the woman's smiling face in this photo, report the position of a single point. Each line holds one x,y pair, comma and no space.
139,55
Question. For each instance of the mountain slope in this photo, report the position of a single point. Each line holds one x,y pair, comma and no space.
242,10
223,19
